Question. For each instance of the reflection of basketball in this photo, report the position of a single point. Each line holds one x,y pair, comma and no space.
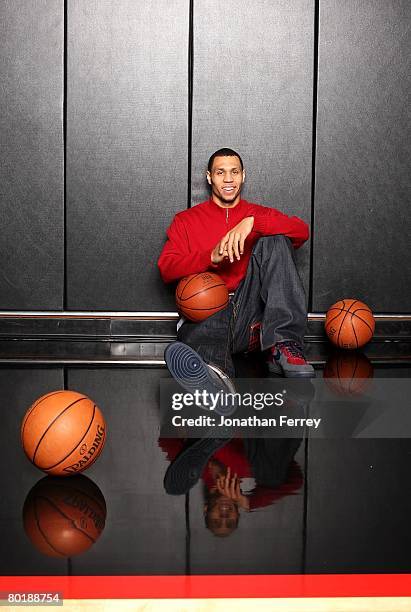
349,324
64,517
199,296
348,373
63,433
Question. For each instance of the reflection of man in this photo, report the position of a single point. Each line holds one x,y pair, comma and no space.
251,248
264,466
224,498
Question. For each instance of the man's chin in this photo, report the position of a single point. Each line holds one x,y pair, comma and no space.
228,200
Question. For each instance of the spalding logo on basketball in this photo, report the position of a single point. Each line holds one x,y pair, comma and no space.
199,296
63,433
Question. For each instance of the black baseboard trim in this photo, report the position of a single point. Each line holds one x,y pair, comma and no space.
151,327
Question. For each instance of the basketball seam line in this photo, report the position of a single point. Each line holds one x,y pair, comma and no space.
361,319
191,279
37,403
355,368
182,290
57,509
42,532
201,291
78,443
213,308
52,423
339,331
353,328
354,302
331,320
338,369
63,485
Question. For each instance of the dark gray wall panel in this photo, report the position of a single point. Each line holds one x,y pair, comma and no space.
127,148
362,221
31,157
253,92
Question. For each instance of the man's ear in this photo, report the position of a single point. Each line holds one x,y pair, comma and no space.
243,176
208,177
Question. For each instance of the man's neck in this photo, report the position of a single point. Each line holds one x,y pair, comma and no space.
224,204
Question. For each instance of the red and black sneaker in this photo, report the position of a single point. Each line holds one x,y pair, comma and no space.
287,358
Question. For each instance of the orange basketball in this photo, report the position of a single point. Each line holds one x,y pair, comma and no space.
63,433
348,373
349,324
64,516
199,296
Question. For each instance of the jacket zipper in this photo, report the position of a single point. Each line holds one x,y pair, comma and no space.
226,216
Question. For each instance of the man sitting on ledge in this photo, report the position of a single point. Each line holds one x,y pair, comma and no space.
251,248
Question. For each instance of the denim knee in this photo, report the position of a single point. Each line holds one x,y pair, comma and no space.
278,238
269,243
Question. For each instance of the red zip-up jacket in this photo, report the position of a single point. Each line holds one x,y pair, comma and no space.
194,233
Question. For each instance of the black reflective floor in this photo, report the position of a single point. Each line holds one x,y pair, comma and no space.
319,506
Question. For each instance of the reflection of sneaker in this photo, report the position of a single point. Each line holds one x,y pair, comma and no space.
184,472
287,358
193,374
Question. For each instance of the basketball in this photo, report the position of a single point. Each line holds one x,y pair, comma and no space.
63,433
349,324
63,517
199,296
348,373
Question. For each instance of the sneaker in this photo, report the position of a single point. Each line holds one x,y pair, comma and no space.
287,358
190,371
184,472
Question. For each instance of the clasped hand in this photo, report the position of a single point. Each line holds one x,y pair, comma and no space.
232,244
229,486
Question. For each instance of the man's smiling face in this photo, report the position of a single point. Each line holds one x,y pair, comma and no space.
226,179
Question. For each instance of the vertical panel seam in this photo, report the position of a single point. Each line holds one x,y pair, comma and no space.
190,98
64,155
314,149
188,535
305,509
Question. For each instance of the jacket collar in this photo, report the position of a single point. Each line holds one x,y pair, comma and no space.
239,205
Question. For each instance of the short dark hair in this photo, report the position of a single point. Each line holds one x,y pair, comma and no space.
225,152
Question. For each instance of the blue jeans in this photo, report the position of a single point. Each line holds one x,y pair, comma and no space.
268,306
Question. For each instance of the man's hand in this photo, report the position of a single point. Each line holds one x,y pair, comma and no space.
216,256
232,244
230,487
